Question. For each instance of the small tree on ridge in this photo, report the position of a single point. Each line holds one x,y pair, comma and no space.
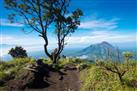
18,52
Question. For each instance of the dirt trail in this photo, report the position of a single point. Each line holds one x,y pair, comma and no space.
70,82
65,80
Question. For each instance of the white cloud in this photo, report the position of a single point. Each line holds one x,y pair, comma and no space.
20,40
30,44
98,24
29,48
75,41
4,38
5,22
99,36
91,37
3,52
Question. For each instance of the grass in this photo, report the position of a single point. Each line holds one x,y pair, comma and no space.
93,78
96,79
8,70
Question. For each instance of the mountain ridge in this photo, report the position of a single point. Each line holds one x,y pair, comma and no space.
103,50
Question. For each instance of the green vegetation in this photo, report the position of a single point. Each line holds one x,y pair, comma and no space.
94,77
41,14
8,70
111,75
18,52
97,78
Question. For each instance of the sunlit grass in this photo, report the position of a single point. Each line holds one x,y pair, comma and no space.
92,77
96,79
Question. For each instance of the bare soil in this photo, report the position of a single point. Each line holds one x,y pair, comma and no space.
65,80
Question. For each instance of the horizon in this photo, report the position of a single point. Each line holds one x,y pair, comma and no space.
39,53
103,20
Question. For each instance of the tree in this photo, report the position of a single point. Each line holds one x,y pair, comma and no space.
115,67
18,52
127,56
40,14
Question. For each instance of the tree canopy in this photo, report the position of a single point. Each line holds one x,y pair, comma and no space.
18,52
40,14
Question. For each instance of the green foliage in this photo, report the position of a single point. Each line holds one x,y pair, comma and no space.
2,62
57,66
6,76
95,78
131,82
120,69
39,15
128,54
46,61
83,66
9,69
18,52
80,64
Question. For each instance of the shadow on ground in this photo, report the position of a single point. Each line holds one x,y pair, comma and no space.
43,77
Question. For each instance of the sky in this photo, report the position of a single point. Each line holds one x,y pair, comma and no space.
114,21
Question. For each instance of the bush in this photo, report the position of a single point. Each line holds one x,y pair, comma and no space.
18,52
46,61
95,78
2,62
7,75
131,82
4,77
83,66
6,66
9,70
2,82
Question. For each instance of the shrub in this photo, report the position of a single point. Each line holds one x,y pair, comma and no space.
8,70
2,62
6,66
98,78
57,66
83,66
18,52
2,82
131,82
6,76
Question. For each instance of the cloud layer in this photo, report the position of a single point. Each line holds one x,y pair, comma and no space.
5,22
100,24
98,30
99,36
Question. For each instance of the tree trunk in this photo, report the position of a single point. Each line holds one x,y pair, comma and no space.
120,78
46,51
54,57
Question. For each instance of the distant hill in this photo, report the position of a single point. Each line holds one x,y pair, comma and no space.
102,50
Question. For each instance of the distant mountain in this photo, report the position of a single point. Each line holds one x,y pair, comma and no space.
102,50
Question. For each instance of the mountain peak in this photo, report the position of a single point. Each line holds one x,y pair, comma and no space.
99,51
104,42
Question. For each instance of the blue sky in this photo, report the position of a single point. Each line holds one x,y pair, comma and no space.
114,21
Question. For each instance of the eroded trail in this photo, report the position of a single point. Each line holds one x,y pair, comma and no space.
68,82
65,80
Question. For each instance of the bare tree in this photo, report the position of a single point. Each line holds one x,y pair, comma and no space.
115,66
